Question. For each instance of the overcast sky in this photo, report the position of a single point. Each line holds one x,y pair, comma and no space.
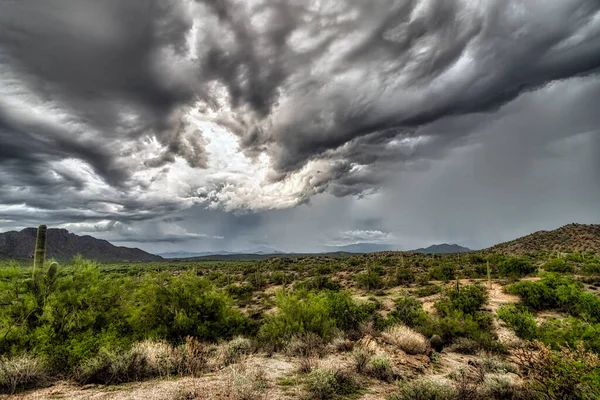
299,124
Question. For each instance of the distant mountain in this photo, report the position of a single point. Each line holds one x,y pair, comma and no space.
261,250
444,248
64,245
572,237
361,248
258,250
185,254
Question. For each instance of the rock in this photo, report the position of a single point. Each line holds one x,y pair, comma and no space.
436,343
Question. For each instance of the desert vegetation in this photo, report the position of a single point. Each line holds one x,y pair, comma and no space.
384,325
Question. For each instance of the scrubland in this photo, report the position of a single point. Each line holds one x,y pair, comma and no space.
377,326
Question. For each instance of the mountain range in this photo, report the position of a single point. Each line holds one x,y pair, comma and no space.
64,245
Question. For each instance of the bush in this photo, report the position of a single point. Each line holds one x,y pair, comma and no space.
570,373
20,373
232,351
519,320
369,280
326,383
246,382
408,340
174,308
569,332
443,273
501,387
379,367
404,276
319,313
516,268
318,283
467,299
558,292
361,360
425,389
464,345
559,265
410,312
428,290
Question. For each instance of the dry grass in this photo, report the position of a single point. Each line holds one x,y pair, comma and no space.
305,345
233,351
246,382
21,373
410,341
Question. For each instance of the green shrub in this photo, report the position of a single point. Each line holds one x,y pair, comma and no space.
409,311
428,290
369,280
590,268
519,320
466,299
173,308
559,265
319,313
516,267
569,332
379,367
443,273
570,373
318,283
404,276
558,292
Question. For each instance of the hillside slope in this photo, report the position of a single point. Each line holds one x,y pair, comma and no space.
64,245
572,237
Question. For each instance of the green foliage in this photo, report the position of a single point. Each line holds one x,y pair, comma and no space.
318,283
569,332
520,320
428,290
446,273
466,299
173,308
319,313
559,265
404,276
88,310
516,267
570,373
410,312
591,268
558,292
371,278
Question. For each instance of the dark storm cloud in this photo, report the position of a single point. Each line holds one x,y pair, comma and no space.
94,94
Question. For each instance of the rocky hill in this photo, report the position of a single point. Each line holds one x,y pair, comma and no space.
64,245
572,237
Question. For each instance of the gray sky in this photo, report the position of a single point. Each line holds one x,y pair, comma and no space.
299,125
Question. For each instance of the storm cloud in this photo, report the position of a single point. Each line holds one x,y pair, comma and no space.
121,113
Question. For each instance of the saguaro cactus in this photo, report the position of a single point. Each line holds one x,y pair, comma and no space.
39,257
